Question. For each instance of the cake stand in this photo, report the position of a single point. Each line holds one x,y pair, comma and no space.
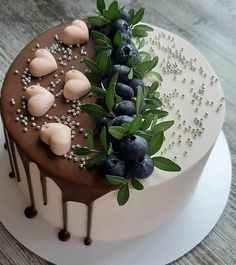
189,227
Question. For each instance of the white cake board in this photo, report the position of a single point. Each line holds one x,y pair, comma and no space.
163,246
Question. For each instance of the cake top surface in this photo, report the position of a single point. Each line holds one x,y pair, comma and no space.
190,92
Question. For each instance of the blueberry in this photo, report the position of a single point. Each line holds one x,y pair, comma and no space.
101,102
115,142
118,121
105,82
123,54
125,15
126,39
124,91
133,147
112,165
125,107
123,71
123,26
134,83
101,122
140,169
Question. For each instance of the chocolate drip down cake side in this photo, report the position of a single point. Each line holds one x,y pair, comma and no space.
109,123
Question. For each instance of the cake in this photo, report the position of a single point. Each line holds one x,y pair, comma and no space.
87,115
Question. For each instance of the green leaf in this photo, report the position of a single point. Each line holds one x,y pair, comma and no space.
94,161
118,39
104,63
156,94
123,194
157,75
153,103
145,135
141,44
155,119
160,113
92,65
131,13
132,61
116,180
94,110
94,78
136,184
110,150
96,35
140,100
103,43
138,16
117,132
146,91
103,139
165,164
109,97
101,6
147,122
143,27
112,12
118,99
99,49
90,139
113,80
107,30
139,33
143,54
97,21
155,143
125,125
82,151
98,91
135,124
162,126
131,73
148,65
148,57
137,74
154,87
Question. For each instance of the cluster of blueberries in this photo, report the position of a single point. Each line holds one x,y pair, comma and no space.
131,157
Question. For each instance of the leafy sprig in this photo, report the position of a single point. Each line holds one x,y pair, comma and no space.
123,183
148,104
106,16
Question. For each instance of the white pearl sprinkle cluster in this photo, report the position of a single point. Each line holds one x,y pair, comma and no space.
190,82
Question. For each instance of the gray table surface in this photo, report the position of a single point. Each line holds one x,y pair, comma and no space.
207,24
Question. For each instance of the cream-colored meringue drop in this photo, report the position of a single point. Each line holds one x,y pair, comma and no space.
76,33
57,136
43,63
40,100
76,85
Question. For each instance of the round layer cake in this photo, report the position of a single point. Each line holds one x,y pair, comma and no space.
79,201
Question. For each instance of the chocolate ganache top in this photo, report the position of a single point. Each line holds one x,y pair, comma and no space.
77,184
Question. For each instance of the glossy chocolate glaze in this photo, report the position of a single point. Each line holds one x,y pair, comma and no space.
88,240
77,184
64,234
7,145
30,211
43,181
17,174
